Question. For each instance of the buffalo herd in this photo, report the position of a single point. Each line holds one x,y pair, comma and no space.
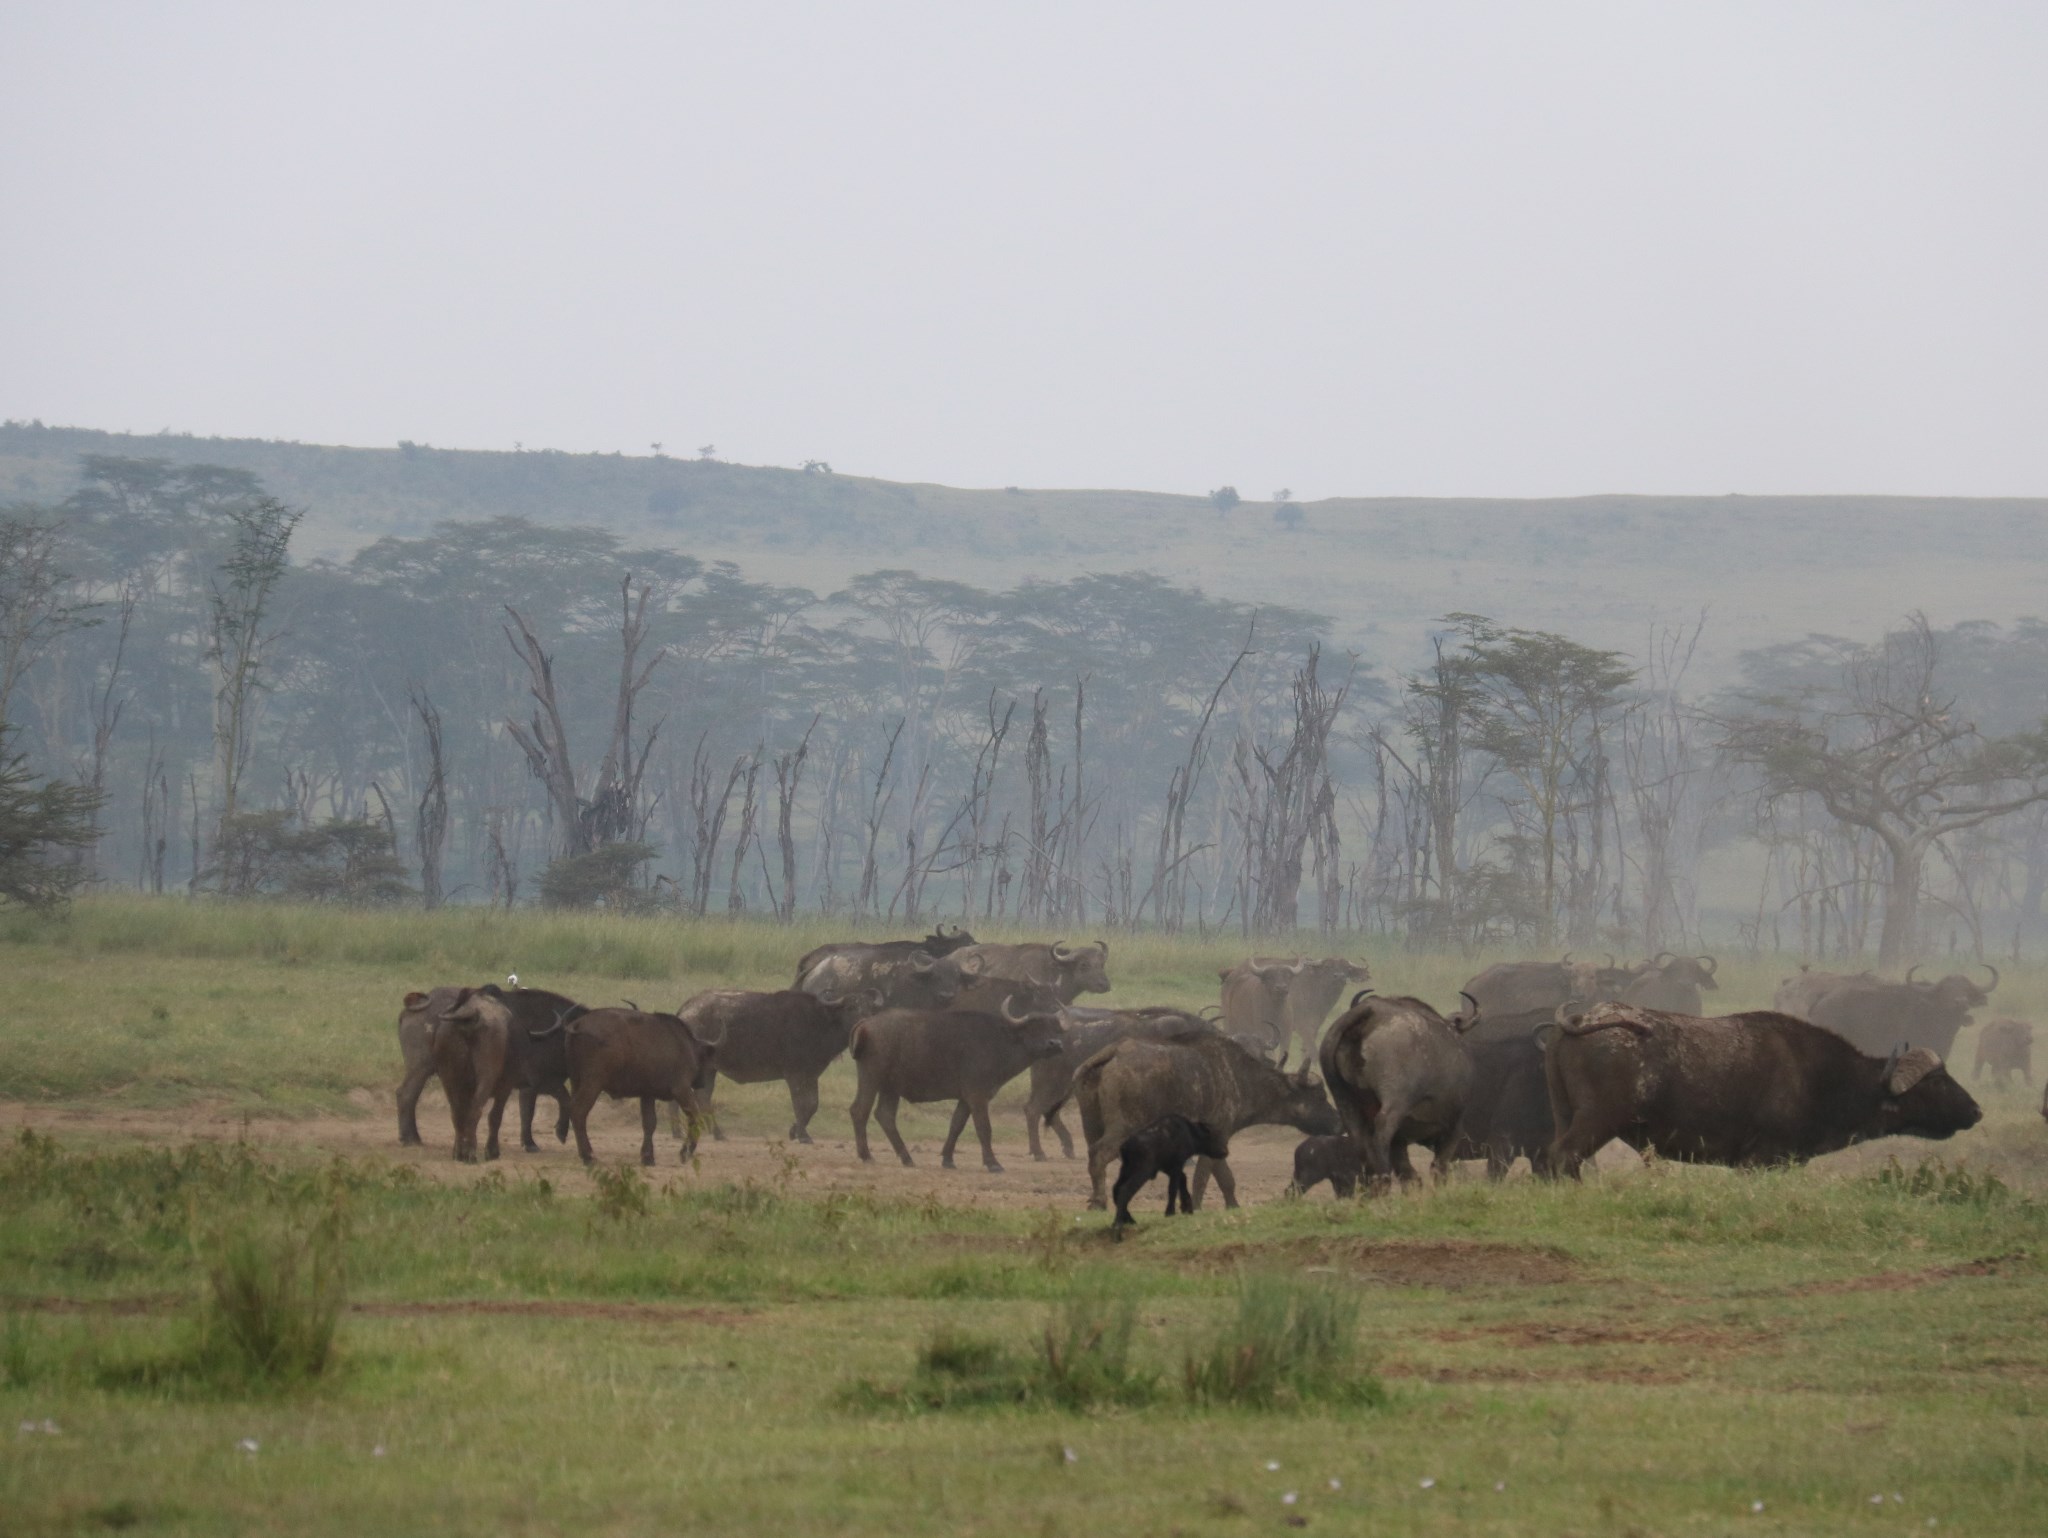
1547,1061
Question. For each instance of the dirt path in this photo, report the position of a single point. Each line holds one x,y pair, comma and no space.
1262,1158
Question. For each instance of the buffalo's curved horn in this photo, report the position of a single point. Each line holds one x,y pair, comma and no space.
1062,952
1911,970
1987,966
1662,957
1103,946
952,934
1008,999
1708,964
1891,1065
1282,1064
1470,1000
922,962
972,966
1610,961
1363,993
632,1006
1567,959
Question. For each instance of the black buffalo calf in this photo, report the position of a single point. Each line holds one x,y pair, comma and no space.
1162,1148
1335,1159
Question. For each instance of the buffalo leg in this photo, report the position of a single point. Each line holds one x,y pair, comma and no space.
579,1117
1132,1176
1059,1126
885,1113
1032,1115
409,1102
1219,1170
986,1133
863,1104
1177,1190
959,1125
1099,1155
528,1099
497,1120
706,1104
650,1118
803,1104
561,1094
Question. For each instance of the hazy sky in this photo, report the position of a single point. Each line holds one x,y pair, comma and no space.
1355,249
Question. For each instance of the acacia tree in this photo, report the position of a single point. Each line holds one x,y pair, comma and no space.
1890,755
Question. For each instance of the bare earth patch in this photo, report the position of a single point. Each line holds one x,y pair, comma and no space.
1447,1263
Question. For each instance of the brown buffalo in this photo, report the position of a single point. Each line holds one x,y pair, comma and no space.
950,1054
1207,1078
633,1054
1286,1000
1516,997
469,1041
1671,983
1088,1031
1877,1016
939,942
791,1035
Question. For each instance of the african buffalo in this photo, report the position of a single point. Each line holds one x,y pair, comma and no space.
1507,1108
1334,1158
416,1046
1399,1074
468,1043
634,1054
1207,1078
1088,1032
1671,983
1163,1148
937,943
2006,1047
1515,997
1797,994
951,1054
1877,1016
913,979
791,1035
1752,1089
1286,1001
1069,970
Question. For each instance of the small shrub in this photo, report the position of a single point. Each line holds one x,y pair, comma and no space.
274,1294
1933,1180
1088,1352
1292,1343
622,1192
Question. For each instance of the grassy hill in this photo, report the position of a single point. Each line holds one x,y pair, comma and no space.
1606,569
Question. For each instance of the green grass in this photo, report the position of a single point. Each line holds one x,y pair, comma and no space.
537,1348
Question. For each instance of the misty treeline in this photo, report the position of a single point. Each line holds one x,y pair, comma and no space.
502,711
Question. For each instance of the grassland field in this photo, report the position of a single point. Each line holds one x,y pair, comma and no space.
777,1339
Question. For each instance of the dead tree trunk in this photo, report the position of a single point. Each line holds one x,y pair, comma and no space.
789,770
430,817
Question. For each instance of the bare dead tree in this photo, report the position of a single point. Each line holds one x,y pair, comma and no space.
238,646
501,864
37,608
614,810
1168,892
1077,891
544,740
430,817
789,769
878,810
1038,774
1663,764
750,766
107,705
708,803
157,811
1280,792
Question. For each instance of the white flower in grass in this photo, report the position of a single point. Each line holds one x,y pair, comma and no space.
1336,1484
1272,1467
247,1444
1429,1484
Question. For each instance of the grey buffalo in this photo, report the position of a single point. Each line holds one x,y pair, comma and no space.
1399,1074
1069,970
790,1035
1877,1015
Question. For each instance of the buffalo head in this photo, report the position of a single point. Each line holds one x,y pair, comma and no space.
1086,965
1921,1099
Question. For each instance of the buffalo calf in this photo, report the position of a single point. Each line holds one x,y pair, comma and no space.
1162,1148
1335,1159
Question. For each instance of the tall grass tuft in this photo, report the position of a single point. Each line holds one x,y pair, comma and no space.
1292,1343
1088,1343
274,1292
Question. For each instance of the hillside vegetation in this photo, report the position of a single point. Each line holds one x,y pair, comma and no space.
1601,568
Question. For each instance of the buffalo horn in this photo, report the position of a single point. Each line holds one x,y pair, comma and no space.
1911,970
1709,963
1470,1000
1567,959
1891,1063
1987,966
1282,1064
632,1006
921,962
1062,952
1661,957
1013,1019
1363,993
